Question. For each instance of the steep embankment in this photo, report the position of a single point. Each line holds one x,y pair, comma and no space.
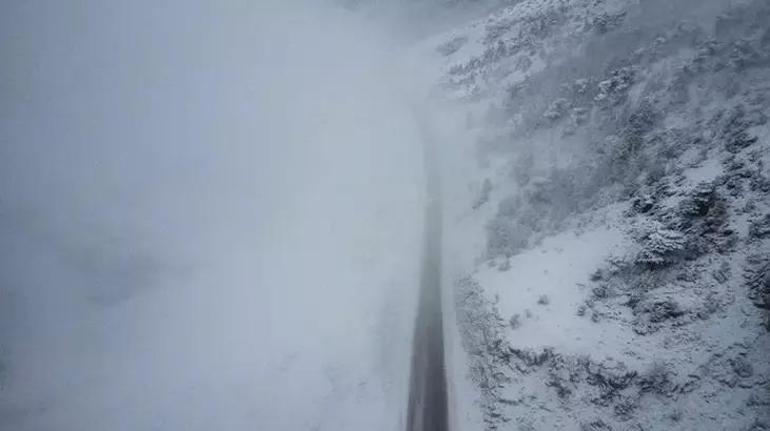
622,184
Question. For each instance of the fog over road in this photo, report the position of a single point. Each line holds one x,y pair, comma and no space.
427,385
211,216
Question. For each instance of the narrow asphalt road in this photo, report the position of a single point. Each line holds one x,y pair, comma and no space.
427,410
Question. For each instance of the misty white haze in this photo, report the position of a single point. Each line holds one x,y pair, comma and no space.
420,215
211,217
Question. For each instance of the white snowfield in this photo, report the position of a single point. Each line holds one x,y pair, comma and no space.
211,219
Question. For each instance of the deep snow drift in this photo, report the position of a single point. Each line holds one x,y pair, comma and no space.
211,218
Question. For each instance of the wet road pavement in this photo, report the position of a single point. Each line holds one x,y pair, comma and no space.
427,410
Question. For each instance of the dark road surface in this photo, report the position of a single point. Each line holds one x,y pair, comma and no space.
427,410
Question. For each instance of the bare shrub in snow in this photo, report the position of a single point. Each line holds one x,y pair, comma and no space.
505,237
742,366
596,425
515,321
581,310
605,22
757,276
557,109
651,314
483,194
658,246
735,133
760,228
613,90
703,217
451,46
700,201
656,379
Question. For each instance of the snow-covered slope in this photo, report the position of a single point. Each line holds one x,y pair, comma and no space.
620,182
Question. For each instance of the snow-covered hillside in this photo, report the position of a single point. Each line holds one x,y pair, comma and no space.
612,235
